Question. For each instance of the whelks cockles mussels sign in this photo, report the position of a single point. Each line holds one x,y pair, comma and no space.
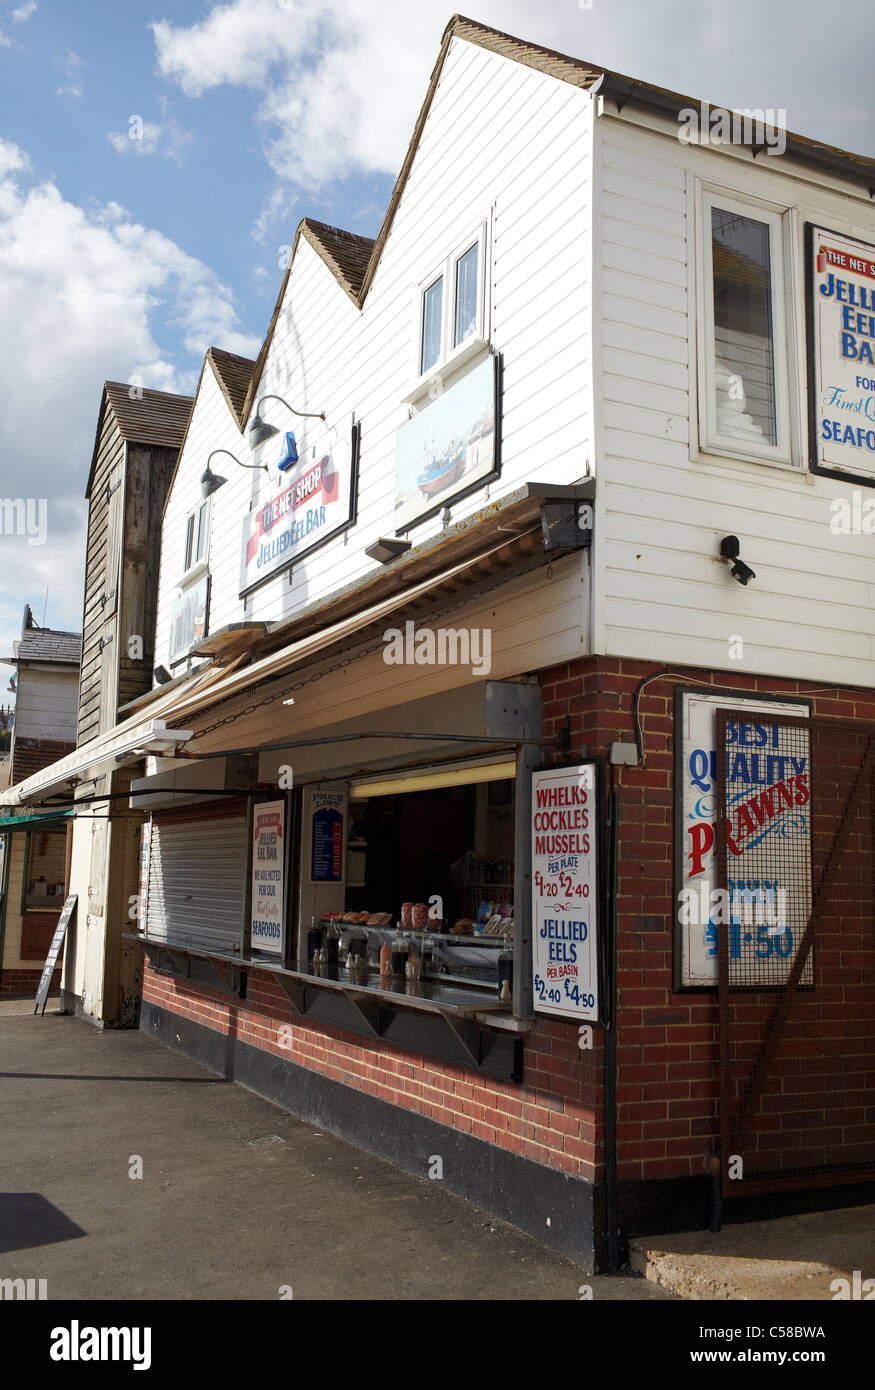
268,876
842,346
564,892
314,503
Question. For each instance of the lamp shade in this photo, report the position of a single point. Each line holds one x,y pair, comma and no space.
260,431
210,482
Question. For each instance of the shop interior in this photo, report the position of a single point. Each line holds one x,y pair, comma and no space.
430,876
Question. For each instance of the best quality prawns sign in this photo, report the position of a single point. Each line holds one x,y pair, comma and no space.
564,892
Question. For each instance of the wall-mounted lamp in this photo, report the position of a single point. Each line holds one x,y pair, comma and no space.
211,482
162,675
386,548
730,548
260,430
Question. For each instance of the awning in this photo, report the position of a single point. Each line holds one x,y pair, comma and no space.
494,541
9,823
121,744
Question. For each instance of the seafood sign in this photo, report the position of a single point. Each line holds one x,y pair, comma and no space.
843,347
564,898
768,791
313,504
268,876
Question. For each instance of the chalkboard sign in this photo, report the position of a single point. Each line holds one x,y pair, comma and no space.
42,993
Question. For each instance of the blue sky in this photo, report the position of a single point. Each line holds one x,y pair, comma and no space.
121,257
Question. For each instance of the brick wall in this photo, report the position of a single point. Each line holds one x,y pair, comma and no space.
549,1117
22,984
667,1077
30,755
667,1054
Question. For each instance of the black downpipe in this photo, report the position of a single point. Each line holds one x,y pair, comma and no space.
610,1077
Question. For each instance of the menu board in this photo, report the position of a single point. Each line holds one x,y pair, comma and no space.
327,816
564,892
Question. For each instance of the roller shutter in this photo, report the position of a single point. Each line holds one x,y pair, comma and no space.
197,880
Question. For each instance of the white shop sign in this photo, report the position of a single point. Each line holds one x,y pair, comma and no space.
267,910
842,347
565,892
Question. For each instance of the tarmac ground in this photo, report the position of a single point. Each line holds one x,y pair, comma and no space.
129,1172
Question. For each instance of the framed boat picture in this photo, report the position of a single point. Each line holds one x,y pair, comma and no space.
450,447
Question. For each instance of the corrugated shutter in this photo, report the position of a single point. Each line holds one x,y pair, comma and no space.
197,882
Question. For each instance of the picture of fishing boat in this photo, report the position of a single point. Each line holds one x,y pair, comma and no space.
446,446
441,470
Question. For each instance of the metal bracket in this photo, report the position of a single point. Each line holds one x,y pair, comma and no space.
294,991
466,1033
566,525
368,1011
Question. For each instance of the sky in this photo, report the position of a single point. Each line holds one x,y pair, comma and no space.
156,158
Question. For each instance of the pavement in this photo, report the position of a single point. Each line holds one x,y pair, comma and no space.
797,1258
129,1172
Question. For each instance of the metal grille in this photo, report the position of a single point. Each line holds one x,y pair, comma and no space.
796,950
197,884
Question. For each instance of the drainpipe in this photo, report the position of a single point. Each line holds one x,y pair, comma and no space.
610,1075
715,1191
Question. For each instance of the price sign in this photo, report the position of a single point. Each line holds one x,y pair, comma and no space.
564,892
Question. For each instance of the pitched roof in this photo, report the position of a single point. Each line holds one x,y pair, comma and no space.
152,417
353,260
45,644
347,254
233,374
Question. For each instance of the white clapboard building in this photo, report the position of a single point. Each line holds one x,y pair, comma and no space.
455,581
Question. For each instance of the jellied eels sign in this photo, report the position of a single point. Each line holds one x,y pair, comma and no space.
842,346
564,892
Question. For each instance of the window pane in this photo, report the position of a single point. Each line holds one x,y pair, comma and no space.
202,532
466,295
189,541
744,344
432,316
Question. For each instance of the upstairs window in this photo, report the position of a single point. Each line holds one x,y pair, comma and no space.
432,324
466,295
197,529
743,356
452,308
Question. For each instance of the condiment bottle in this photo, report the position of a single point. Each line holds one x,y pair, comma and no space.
314,938
332,945
400,948
505,975
385,961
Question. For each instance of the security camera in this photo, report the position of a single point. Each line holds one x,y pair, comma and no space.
730,547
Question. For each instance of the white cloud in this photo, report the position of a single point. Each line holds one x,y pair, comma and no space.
72,65
24,12
147,137
339,83
84,297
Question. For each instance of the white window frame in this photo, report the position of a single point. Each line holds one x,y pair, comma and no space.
451,358
196,568
706,441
